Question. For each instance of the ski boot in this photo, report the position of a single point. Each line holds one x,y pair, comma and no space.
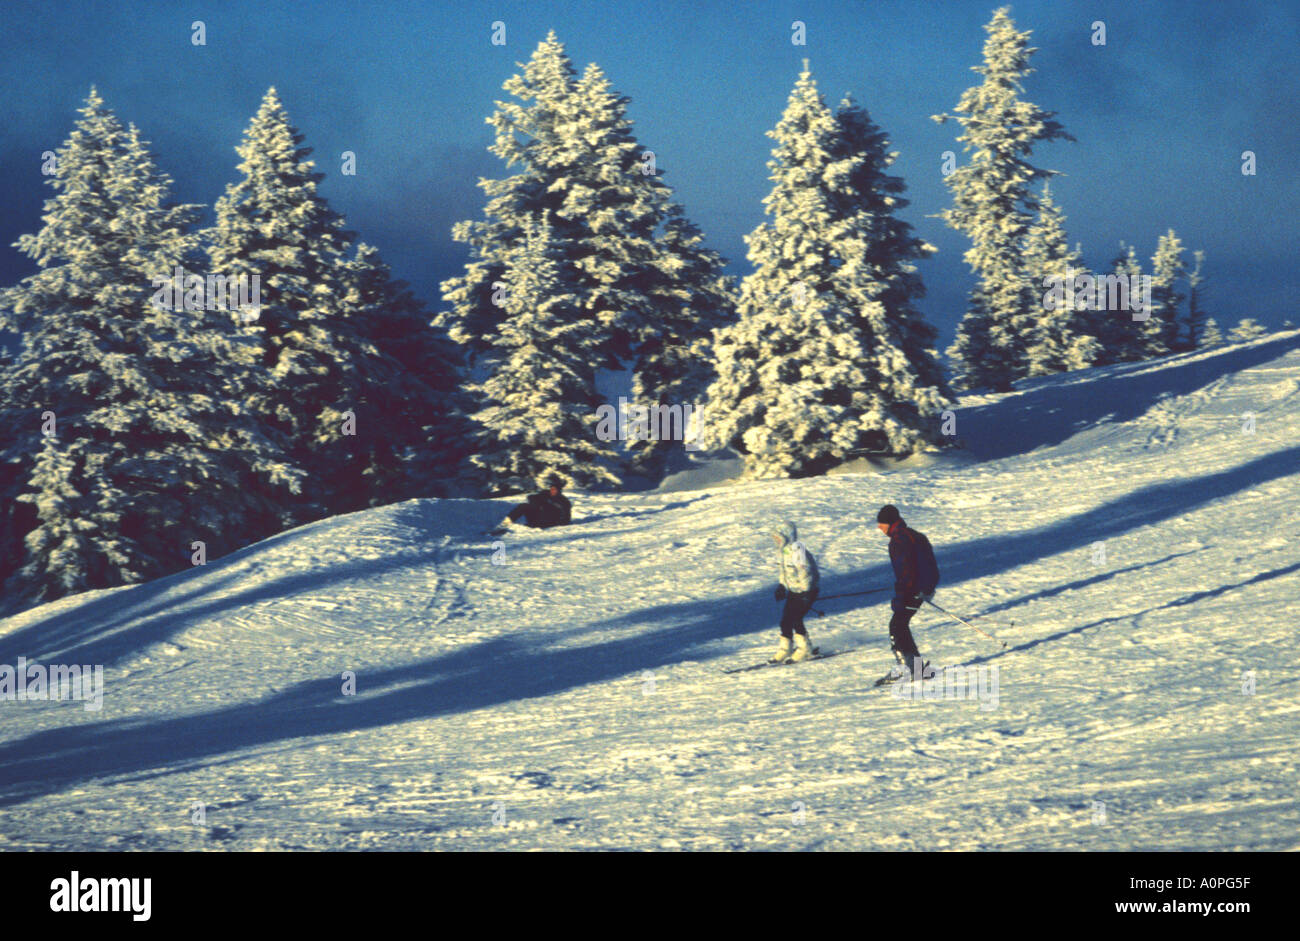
918,668
782,651
802,649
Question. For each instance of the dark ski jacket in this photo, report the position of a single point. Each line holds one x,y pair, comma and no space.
915,569
546,510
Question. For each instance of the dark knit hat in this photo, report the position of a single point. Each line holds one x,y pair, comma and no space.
888,514
556,481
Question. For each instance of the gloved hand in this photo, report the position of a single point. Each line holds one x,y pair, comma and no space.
780,593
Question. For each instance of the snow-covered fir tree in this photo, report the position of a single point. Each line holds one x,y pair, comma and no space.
77,545
673,359
1149,332
147,448
1059,341
1246,329
1167,270
1212,336
651,290
1121,338
538,406
16,519
415,436
318,364
992,205
530,136
641,260
1196,323
878,275
829,358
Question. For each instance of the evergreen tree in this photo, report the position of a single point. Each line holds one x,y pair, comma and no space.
1167,269
878,275
1212,336
414,438
641,259
1246,330
77,544
317,361
829,357
1196,326
531,135
674,360
1059,341
16,519
538,404
651,290
992,202
151,448
1121,338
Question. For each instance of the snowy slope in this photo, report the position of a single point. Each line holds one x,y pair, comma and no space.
572,696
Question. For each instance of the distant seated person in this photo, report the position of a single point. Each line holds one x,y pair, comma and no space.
545,508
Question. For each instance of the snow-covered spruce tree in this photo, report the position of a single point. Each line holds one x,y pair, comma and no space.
317,361
151,449
674,361
1212,336
651,290
77,544
531,135
878,273
537,407
414,439
16,519
1167,270
1196,324
1122,339
829,358
992,203
1059,341
1246,329
641,264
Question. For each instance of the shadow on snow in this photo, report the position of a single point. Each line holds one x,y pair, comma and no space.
506,669
1048,413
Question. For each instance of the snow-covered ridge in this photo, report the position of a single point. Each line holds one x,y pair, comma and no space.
1138,524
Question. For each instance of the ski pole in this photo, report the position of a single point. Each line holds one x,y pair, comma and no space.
850,594
967,623
988,620
847,594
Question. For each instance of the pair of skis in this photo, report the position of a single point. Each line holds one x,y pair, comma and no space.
816,655
892,676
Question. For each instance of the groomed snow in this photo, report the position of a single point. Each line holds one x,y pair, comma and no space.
573,695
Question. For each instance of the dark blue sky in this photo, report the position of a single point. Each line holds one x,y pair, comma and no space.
1162,113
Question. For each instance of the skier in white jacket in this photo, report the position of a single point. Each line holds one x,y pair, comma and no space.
798,589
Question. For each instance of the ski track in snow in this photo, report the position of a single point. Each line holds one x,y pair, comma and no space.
572,697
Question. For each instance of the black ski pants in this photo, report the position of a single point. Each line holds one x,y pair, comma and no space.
797,604
900,631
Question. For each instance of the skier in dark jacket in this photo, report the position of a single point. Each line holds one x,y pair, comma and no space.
916,575
545,508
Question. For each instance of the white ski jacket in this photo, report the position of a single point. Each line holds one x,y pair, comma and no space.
797,566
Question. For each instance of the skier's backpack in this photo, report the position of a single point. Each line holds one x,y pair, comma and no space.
927,568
